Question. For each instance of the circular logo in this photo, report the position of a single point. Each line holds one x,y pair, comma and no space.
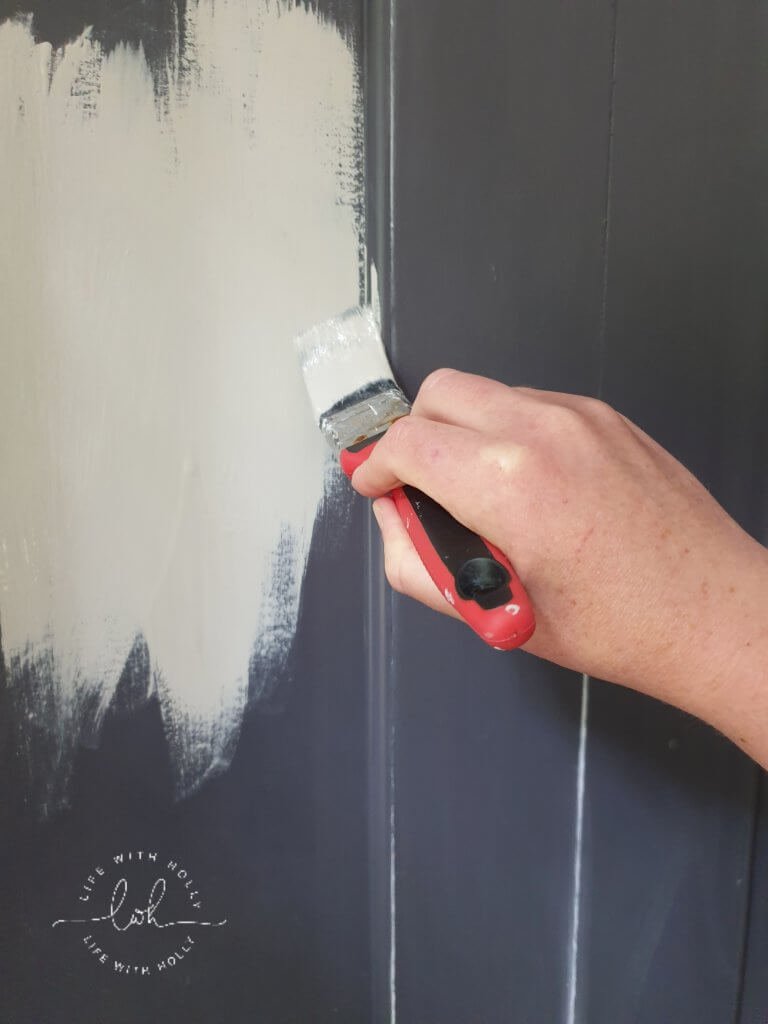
139,914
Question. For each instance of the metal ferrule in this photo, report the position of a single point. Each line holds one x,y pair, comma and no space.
366,418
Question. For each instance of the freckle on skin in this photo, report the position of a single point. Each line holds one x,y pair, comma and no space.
585,538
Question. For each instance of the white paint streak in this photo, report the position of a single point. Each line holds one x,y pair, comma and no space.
578,844
160,468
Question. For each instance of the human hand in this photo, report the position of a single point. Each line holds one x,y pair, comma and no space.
635,572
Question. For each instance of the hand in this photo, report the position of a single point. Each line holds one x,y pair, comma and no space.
635,572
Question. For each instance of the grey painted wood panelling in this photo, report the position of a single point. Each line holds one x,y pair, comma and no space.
579,203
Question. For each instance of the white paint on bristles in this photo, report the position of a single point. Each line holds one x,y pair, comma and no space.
159,468
341,356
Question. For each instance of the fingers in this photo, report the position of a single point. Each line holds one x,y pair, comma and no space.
464,399
405,570
464,471
414,451
477,403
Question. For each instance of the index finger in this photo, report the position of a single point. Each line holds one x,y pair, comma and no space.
467,399
466,472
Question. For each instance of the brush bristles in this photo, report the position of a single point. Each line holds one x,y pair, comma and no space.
341,357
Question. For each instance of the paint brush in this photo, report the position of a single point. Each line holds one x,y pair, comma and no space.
355,399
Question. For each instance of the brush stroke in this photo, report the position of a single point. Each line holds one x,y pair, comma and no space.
160,471
157,29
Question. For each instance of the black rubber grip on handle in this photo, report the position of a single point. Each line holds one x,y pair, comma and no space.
479,576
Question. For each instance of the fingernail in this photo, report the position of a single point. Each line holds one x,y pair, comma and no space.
377,512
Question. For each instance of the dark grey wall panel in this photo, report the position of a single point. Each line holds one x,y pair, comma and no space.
670,804
669,810
754,994
528,248
500,134
500,151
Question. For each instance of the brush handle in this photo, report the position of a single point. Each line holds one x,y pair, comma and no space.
475,577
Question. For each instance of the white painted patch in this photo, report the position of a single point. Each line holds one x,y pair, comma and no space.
160,470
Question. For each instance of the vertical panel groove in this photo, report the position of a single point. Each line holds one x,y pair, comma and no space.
379,85
573,953
607,214
390,681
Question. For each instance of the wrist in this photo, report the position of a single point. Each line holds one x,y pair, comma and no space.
720,671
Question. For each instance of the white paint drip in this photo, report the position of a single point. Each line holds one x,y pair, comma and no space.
160,470
578,846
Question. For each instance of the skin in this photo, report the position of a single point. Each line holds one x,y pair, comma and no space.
636,574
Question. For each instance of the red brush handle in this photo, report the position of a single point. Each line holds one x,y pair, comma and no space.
472,574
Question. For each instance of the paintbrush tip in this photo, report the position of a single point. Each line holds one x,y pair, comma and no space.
330,338
341,356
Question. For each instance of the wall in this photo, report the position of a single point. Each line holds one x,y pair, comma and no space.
181,194
578,201
391,822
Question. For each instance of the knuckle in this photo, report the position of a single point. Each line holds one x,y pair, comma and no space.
437,378
400,433
598,410
444,386
563,418
580,415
